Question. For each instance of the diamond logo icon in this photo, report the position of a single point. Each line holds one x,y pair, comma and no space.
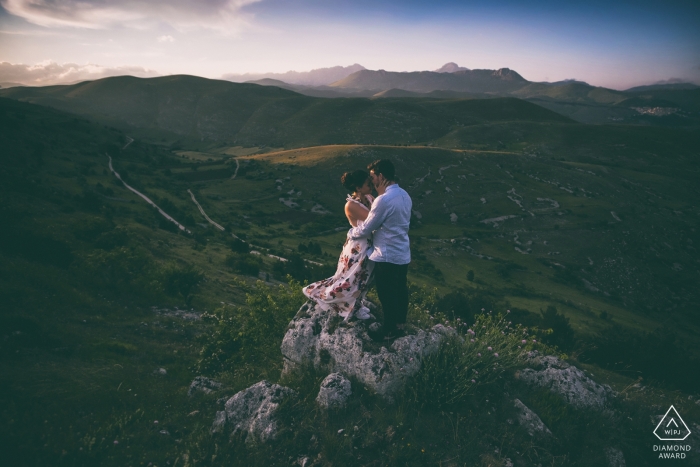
672,427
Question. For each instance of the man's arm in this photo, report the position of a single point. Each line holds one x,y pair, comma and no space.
376,217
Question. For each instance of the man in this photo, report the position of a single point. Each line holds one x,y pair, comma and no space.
388,220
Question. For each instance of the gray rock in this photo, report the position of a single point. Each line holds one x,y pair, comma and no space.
204,385
253,411
317,338
568,381
335,391
615,457
161,371
219,422
531,421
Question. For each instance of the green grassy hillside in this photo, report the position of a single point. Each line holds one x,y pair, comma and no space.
588,230
199,111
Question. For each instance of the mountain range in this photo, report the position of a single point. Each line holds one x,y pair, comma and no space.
316,77
265,109
198,109
573,98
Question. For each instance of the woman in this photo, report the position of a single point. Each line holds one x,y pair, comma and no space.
344,291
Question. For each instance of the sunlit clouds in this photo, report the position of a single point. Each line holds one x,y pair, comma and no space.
100,14
609,44
47,73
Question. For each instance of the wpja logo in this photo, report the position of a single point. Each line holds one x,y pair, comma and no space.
672,428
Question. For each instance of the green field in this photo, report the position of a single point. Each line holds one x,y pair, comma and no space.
99,291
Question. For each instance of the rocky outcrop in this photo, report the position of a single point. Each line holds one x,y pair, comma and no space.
568,381
253,411
321,339
531,421
335,392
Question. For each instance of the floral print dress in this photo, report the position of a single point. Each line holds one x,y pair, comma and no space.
344,291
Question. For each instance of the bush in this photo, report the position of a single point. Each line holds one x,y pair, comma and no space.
562,334
238,246
655,355
250,335
473,357
465,307
297,268
313,248
180,281
120,270
243,263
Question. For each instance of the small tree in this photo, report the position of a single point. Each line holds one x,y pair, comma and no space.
562,333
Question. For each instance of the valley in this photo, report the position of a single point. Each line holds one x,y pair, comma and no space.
516,208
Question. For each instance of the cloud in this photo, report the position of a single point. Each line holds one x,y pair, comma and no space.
49,72
672,81
98,14
163,39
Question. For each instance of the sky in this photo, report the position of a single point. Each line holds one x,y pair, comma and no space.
615,44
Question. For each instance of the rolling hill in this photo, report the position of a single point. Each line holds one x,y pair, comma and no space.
109,309
205,111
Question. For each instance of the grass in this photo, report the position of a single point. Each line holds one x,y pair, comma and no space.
84,262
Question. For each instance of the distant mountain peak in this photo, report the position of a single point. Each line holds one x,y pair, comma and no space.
315,77
450,67
508,74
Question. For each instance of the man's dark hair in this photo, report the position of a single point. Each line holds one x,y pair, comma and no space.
383,167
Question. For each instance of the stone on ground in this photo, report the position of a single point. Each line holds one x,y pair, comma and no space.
253,411
335,392
204,385
531,421
568,381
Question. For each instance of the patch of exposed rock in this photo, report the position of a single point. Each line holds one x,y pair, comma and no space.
319,339
204,385
568,381
253,411
335,392
531,421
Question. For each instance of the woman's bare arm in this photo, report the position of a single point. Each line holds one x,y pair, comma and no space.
355,212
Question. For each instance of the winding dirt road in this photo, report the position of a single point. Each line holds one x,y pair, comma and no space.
204,213
146,198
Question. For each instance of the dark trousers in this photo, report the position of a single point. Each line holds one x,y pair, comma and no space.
393,292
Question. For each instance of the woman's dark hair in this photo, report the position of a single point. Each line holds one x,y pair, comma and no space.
354,180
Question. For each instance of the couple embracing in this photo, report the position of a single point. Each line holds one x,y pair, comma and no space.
377,248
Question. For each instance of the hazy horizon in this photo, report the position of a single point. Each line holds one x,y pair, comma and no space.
616,46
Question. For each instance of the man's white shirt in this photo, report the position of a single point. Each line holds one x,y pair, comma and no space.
389,220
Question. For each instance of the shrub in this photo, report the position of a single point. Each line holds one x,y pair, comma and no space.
313,248
180,281
475,356
655,355
244,263
238,246
120,270
250,335
562,334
